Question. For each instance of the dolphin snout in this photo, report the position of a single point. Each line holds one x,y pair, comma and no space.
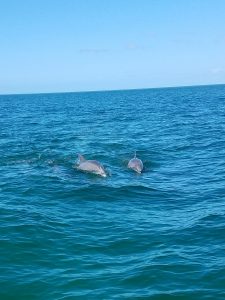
102,173
139,170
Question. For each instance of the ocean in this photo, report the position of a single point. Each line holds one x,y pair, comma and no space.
69,235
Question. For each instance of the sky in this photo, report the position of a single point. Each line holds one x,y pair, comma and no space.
71,45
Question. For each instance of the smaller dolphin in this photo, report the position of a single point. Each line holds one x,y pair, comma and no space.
90,166
135,164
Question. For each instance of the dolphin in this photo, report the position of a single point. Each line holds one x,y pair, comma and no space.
90,166
135,164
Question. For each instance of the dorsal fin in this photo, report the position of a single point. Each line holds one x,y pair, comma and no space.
80,158
135,154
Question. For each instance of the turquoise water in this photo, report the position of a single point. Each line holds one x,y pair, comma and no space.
70,235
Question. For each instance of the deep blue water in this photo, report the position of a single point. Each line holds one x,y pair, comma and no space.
69,235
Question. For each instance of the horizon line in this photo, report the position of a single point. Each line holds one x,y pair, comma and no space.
110,90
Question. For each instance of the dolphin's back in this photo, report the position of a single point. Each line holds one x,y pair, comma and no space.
136,164
89,165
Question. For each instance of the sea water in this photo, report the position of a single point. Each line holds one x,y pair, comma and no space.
68,235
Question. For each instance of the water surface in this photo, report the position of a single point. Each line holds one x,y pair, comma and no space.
69,235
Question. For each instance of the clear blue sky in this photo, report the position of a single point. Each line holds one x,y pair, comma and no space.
71,45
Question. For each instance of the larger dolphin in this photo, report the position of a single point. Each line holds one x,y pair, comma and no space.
90,166
135,164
